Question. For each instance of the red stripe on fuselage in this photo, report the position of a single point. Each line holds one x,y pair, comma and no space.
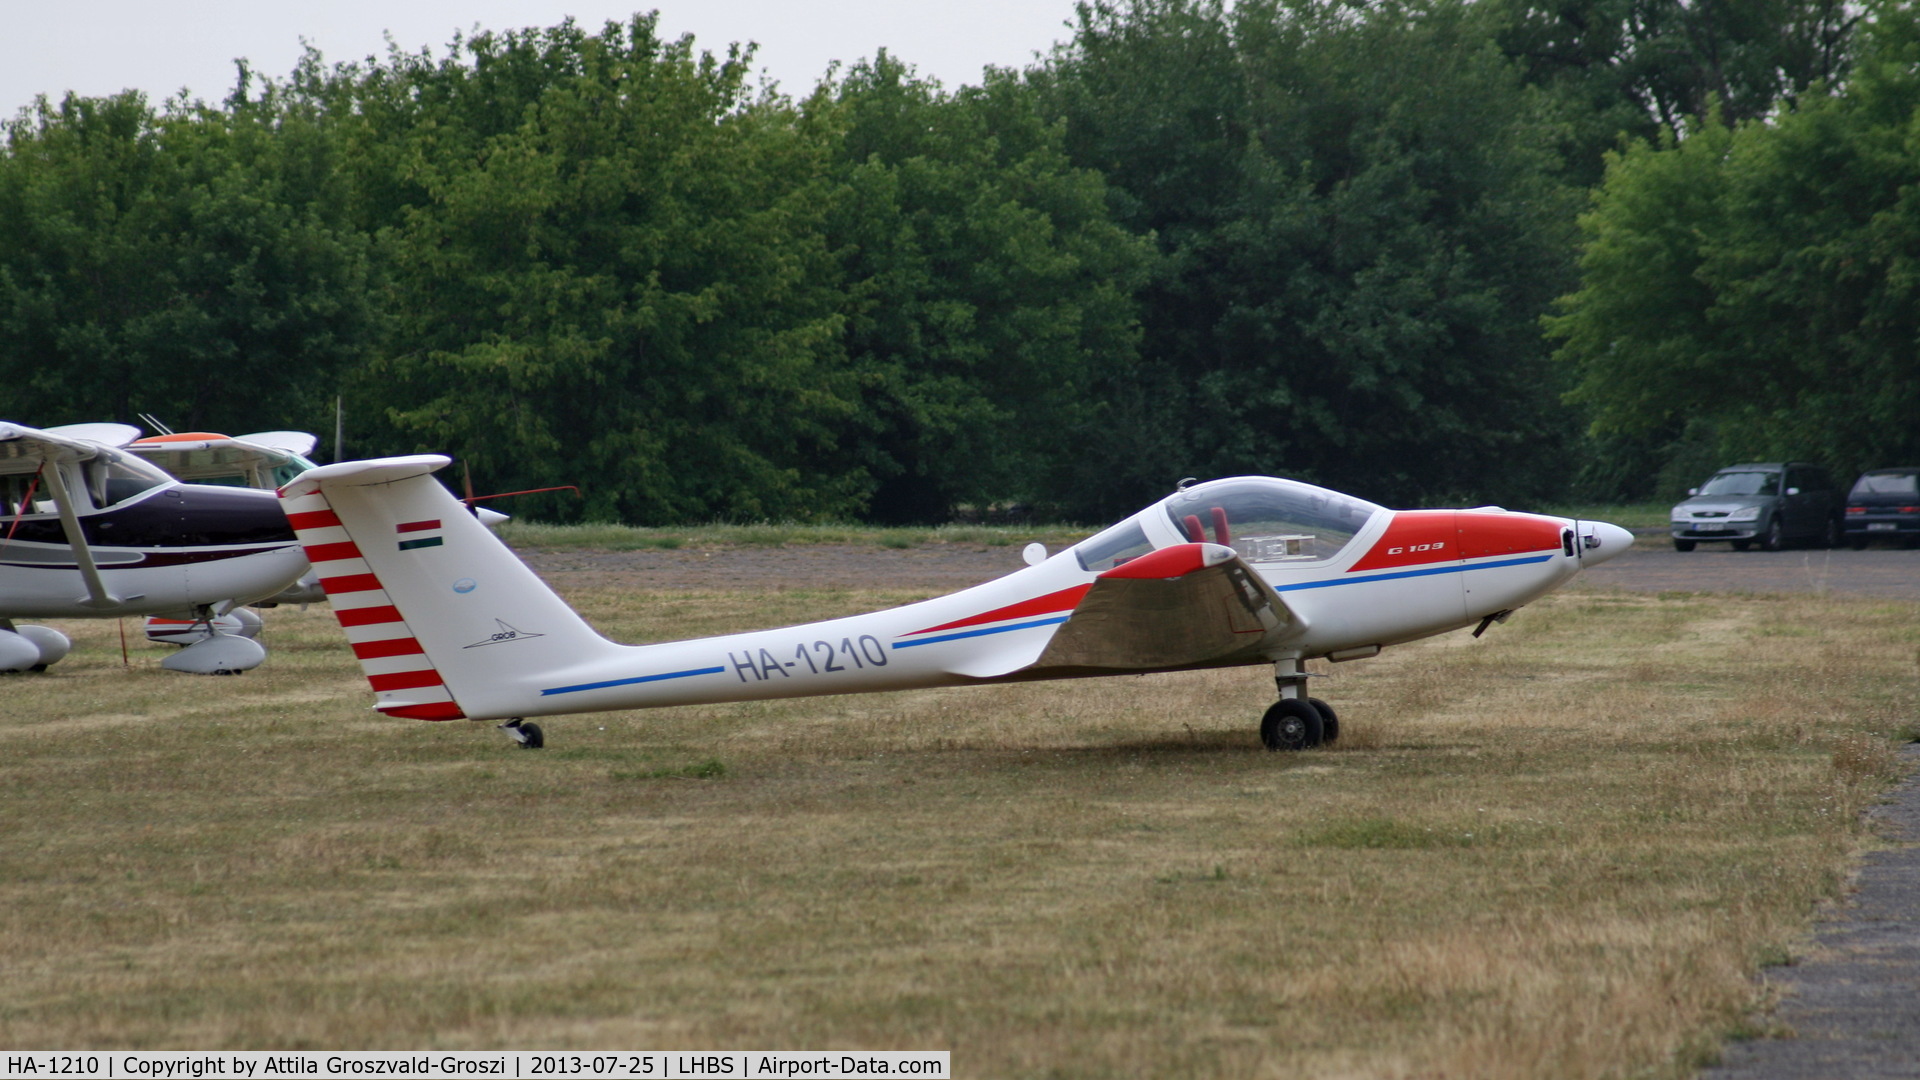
1063,600
1424,537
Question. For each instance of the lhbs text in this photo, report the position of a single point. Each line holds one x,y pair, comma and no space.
811,658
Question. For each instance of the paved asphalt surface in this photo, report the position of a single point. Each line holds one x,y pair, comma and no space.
1652,565
1852,1004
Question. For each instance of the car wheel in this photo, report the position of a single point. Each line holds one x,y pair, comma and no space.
1683,545
1858,543
1775,538
1831,538
1742,545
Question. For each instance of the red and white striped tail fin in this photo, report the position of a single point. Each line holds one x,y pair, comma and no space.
446,620
405,681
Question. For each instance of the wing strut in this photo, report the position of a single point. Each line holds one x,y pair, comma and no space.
97,594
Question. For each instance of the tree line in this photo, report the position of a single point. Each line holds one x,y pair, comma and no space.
1420,250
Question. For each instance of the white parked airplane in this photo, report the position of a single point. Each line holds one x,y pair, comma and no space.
264,460
448,623
90,531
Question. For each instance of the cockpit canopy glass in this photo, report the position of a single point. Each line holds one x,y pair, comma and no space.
1263,518
1269,520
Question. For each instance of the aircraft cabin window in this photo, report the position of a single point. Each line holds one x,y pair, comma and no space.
1109,549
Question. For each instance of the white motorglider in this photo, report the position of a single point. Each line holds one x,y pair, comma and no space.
88,530
448,623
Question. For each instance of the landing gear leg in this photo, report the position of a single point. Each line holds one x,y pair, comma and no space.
1294,722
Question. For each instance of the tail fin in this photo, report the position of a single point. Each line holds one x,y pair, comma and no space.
447,622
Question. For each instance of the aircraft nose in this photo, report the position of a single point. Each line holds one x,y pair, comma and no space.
1600,541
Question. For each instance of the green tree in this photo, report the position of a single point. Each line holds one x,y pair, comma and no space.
986,287
1757,281
194,263
1359,227
608,269
1633,67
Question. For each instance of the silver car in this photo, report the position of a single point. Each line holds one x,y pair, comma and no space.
1771,503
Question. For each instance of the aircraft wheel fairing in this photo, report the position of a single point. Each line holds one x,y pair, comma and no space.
222,654
17,653
1291,724
53,644
1329,720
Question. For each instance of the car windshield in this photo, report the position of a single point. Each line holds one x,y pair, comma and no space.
1901,483
1742,483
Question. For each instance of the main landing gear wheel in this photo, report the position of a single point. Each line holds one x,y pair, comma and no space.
1292,724
1329,720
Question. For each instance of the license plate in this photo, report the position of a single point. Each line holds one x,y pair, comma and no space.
1881,526
1702,526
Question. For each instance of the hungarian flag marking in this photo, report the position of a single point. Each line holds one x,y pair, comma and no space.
419,534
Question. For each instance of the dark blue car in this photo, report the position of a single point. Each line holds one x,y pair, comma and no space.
1884,503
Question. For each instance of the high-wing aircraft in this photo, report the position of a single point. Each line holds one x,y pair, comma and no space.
262,460
448,623
88,530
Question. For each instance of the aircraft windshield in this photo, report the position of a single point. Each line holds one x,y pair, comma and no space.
1269,520
114,477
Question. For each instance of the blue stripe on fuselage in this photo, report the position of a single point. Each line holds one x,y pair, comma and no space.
630,682
1453,568
980,633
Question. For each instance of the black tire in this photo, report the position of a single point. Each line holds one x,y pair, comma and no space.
1683,545
535,737
1858,543
1329,720
1291,724
1775,537
1742,545
1831,538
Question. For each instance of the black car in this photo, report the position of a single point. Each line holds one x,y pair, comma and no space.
1884,502
1769,503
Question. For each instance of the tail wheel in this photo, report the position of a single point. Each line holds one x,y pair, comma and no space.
1292,724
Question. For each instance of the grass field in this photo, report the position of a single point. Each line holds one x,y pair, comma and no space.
1561,850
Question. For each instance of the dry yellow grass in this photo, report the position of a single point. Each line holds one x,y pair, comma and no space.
1560,850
